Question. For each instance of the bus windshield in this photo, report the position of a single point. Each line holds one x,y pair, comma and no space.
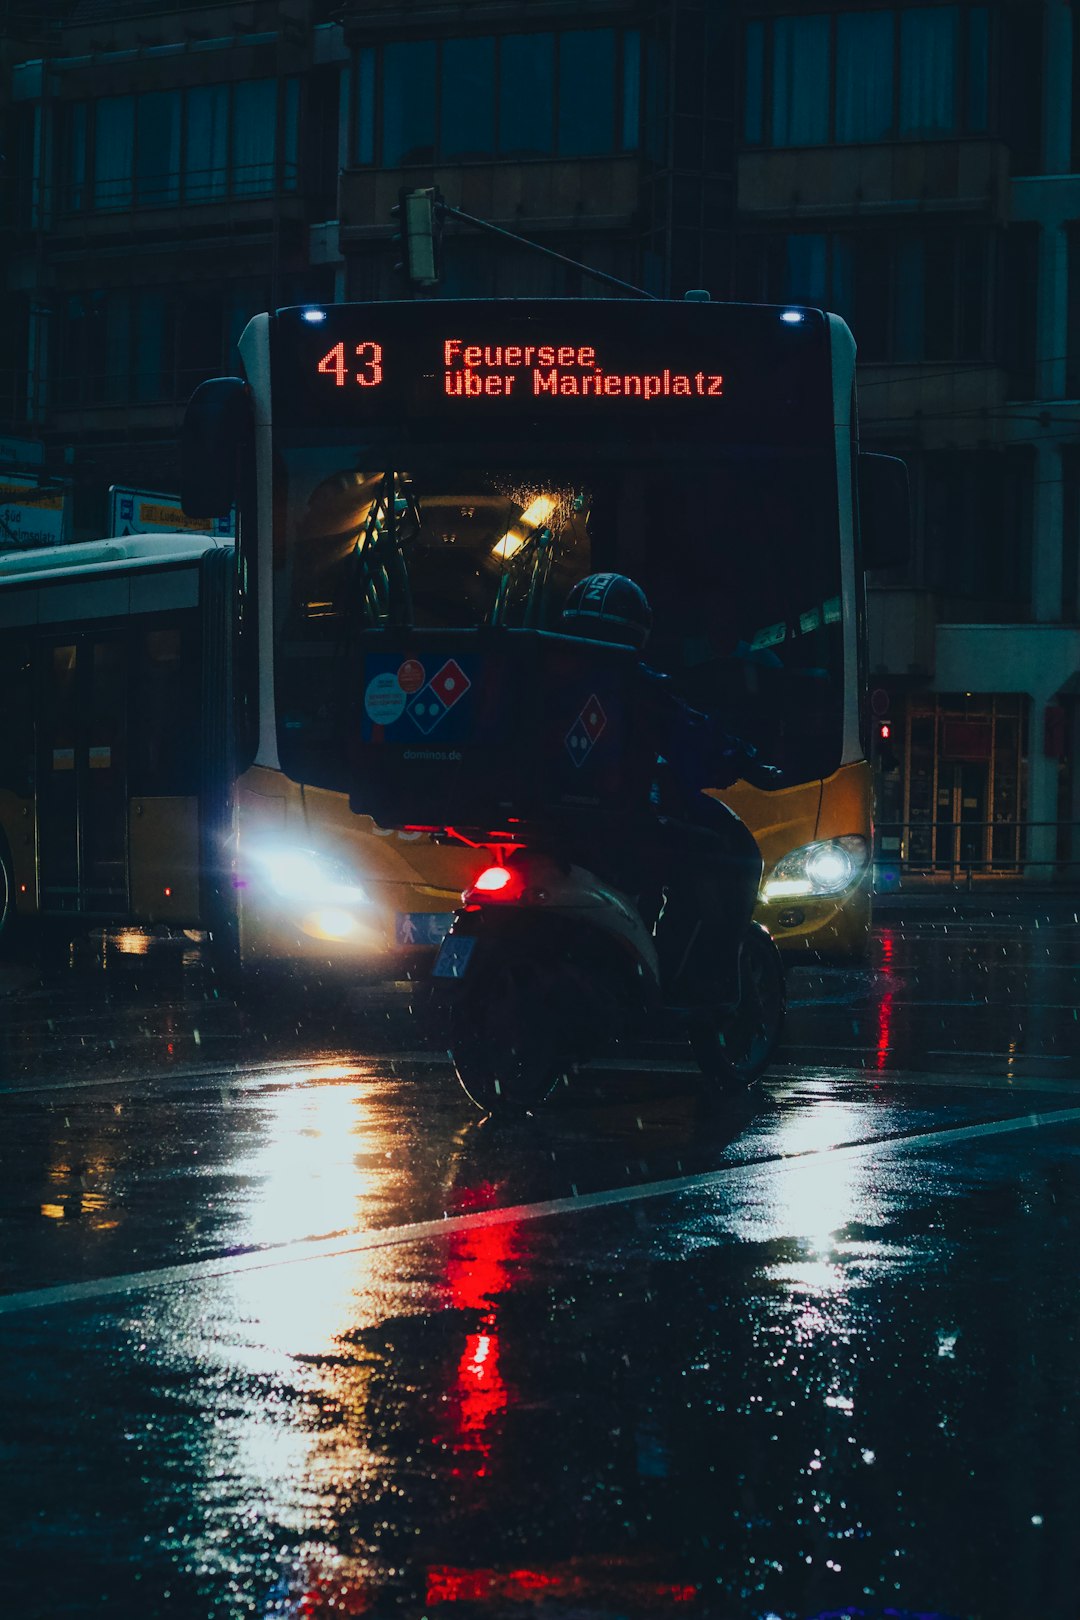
737,552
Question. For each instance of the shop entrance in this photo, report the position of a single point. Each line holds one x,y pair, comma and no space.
961,834
963,784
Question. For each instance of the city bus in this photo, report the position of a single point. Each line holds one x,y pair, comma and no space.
116,763
460,464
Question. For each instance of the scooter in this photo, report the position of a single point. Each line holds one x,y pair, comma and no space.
546,964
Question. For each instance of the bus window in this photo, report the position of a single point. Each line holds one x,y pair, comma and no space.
103,787
57,779
732,552
16,720
165,756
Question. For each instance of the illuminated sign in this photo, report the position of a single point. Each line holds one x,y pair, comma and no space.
711,371
31,515
554,370
149,511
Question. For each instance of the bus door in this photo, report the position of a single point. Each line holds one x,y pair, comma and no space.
82,775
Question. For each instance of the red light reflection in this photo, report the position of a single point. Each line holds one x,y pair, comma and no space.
885,1005
448,1585
478,1271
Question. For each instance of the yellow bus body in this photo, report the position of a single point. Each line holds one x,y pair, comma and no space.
833,925
406,873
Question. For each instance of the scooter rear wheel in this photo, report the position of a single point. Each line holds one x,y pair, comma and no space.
507,1038
734,1049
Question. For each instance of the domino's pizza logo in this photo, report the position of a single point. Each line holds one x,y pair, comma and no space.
432,702
584,734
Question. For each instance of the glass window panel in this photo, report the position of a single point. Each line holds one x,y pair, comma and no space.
909,312
804,269
254,125
655,101
75,173
940,295
157,153
408,103
928,70
978,56
586,111
365,105
114,139
864,75
117,357
467,124
206,142
631,90
800,81
290,135
526,94
754,84
871,294
151,381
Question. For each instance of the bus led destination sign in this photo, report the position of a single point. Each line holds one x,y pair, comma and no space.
530,371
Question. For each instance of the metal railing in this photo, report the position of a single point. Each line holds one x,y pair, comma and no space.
967,853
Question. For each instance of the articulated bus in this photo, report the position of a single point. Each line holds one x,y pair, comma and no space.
439,464
116,767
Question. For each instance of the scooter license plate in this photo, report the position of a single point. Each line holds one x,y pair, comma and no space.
453,959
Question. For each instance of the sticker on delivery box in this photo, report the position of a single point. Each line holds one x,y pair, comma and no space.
384,700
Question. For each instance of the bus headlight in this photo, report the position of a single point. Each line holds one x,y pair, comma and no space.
824,868
303,877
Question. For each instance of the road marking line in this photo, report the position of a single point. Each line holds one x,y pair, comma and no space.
384,1066
337,1244
306,1067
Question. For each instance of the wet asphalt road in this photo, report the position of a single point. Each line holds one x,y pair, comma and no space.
284,1334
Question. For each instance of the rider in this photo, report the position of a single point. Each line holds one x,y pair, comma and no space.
683,840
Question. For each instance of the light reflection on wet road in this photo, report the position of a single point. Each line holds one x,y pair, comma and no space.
285,1334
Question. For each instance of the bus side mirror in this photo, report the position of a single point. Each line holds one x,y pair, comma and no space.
884,511
210,442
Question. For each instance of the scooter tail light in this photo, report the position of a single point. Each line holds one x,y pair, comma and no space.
496,883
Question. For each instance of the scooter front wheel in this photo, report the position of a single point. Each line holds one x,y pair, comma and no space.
506,1036
734,1049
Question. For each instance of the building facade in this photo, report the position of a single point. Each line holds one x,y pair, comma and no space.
913,166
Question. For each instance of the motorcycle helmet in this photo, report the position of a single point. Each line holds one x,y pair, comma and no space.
608,607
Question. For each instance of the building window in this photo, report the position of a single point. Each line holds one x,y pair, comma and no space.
114,143
467,122
408,103
912,73
800,81
206,144
157,148
908,295
977,527
190,146
365,106
631,90
586,102
149,346
864,76
576,93
928,71
526,88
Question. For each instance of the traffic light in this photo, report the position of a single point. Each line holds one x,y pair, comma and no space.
886,756
419,232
